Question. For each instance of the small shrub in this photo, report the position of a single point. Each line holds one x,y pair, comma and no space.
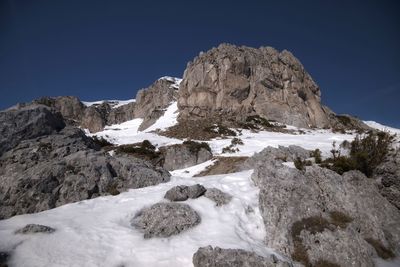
316,154
196,146
346,121
340,219
101,141
237,141
112,189
230,149
148,145
312,224
144,149
366,153
300,164
220,129
381,250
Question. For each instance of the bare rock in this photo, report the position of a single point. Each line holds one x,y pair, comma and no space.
22,123
195,191
237,82
317,215
151,102
218,257
387,175
177,193
50,171
185,155
219,197
183,192
165,219
35,228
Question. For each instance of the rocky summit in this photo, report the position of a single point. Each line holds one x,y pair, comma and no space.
237,164
242,81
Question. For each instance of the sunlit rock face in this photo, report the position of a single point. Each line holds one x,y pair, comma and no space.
239,81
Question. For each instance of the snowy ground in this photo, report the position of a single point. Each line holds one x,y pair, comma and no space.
97,232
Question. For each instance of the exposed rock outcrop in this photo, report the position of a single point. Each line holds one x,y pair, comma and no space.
317,215
152,101
235,82
35,228
17,124
184,155
388,178
219,257
53,170
165,219
276,156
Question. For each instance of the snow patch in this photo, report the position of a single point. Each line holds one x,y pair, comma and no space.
112,103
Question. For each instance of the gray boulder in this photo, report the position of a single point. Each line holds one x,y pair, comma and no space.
17,124
185,155
320,216
35,228
183,192
235,82
165,219
218,257
219,197
53,170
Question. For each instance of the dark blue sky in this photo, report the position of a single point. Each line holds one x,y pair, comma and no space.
98,49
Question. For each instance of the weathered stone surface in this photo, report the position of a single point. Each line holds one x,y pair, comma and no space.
219,197
218,257
275,156
185,155
177,193
22,123
151,101
183,192
195,191
53,170
70,107
242,81
35,228
387,175
165,219
322,215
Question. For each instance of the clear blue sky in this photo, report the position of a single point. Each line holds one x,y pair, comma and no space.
97,49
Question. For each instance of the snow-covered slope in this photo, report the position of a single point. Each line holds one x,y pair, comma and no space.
381,127
97,232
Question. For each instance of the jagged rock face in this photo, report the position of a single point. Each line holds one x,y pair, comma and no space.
151,102
215,257
239,81
70,107
50,171
388,178
23,123
150,105
317,215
